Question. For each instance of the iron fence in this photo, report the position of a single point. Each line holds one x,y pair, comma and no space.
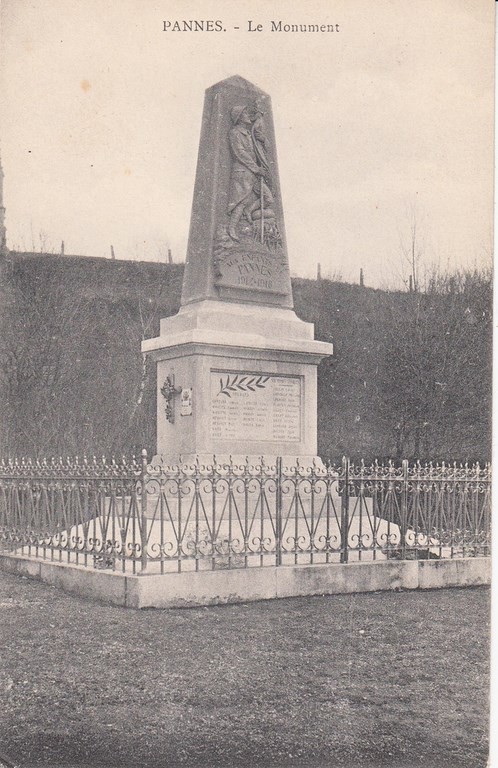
131,516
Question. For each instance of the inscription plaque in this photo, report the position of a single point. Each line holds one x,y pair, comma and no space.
250,269
263,407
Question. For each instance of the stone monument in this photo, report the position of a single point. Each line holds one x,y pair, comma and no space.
236,367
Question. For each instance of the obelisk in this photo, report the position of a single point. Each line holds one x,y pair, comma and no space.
236,366
237,250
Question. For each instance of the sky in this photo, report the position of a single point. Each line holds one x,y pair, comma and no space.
386,121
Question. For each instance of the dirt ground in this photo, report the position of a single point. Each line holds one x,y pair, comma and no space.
395,679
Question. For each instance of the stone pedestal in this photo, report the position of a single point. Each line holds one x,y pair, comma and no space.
236,368
244,383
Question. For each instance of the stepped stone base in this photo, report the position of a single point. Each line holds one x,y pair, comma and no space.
240,380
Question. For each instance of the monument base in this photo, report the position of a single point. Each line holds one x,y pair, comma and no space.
236,380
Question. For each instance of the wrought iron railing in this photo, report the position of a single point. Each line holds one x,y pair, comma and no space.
136,517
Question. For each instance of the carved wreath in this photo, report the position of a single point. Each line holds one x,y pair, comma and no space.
241,383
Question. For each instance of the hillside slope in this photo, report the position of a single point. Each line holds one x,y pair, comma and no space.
411,373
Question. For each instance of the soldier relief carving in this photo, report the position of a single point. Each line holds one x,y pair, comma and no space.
248,248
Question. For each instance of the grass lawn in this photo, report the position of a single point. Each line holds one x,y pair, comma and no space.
391,679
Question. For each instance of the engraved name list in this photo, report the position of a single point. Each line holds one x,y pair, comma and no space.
246,406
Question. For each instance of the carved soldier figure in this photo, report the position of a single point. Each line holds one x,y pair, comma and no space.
250,192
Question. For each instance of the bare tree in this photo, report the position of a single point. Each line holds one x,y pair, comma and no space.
40,319
436,377
413,247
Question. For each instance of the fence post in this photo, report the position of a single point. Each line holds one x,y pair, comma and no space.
404,509
345,510
278,513
143,527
